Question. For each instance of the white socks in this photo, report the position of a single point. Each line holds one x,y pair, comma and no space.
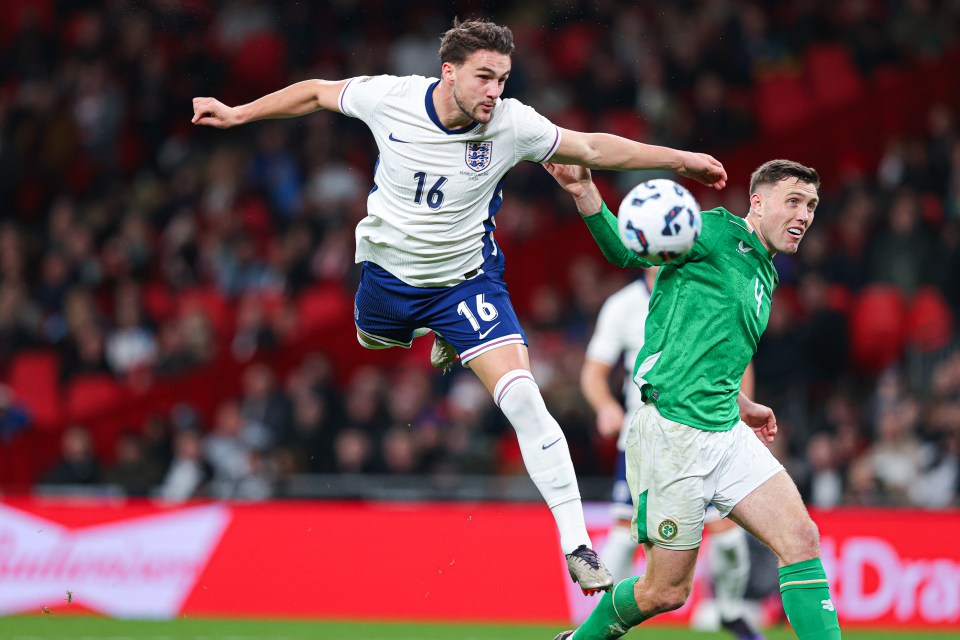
730,565
618,552
545,454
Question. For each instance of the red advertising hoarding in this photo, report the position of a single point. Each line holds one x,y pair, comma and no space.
407,561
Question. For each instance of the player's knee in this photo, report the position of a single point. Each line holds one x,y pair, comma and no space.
804,543
667,599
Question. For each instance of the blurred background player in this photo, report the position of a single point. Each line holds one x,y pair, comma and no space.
427,248
698,438
619,335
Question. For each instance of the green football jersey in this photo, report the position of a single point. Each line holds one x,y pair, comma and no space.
707,312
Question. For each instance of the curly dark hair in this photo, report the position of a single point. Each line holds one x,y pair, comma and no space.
773,171
472,35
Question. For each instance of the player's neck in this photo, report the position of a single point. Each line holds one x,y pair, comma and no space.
448,112
751,225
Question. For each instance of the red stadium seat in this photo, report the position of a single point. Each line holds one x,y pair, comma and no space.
92,395
323,306
259,62
833,77
877,319
783,102
34,377
929,322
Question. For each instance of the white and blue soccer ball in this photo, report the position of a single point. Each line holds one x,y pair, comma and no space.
659,220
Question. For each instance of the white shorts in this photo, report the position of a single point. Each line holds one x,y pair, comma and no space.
675,471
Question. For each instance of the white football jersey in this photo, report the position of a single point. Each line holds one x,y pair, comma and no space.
430,212
619,332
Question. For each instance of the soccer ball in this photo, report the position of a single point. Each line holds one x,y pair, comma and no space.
659,220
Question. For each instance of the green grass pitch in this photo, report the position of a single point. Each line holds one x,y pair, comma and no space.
59,627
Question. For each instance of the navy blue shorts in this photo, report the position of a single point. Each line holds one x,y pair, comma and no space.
474,316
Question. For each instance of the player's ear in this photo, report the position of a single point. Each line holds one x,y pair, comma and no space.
756,200
448,72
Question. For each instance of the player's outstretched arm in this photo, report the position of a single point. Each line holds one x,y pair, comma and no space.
577,181
297,99
607,151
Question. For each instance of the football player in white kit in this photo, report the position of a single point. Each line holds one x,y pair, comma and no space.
427,247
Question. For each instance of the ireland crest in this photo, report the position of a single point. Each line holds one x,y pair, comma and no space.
478,155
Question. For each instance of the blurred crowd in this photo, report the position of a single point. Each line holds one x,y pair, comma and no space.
118,212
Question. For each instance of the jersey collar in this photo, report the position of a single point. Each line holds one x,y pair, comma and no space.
432,112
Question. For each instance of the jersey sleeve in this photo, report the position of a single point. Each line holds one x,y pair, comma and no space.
537,137
606,344
361,95
603,228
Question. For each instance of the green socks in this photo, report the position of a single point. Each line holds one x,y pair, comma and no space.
614,615
806,599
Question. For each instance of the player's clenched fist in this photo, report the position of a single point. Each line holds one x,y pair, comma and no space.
703,168
213,113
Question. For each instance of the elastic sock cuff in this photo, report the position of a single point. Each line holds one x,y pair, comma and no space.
808,574
625,604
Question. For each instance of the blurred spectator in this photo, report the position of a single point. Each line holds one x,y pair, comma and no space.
264,409
821,483
353,452
189,472
253,332
78,464
862,489
227,449
901,255
18,321
13,416
895,456
131,345
131,470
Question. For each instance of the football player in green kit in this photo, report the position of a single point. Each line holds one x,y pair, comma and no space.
698,439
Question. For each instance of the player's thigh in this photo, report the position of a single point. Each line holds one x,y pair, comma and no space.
665,470
774,512
495,363
746,463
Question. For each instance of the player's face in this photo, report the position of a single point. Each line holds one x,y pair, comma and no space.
782,213
478,82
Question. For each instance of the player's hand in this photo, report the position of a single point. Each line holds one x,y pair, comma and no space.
761,419
572,177
213,113
704,169
578,182
610,420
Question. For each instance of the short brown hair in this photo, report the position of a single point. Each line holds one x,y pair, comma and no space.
773,171
472,35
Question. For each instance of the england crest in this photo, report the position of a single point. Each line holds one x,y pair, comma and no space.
478,155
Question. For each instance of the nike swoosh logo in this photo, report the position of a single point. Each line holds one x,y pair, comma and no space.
392,139
487,332
547,446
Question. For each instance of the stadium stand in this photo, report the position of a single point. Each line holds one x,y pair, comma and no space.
198,255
